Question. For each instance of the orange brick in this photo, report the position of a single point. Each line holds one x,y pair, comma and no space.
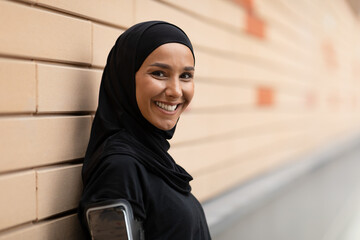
59,189
255,26
248,5
18,86
265,96
18,198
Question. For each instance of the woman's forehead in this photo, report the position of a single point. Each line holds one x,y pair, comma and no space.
171,53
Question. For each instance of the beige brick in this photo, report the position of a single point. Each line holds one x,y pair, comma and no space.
211,36
116,12
104,39
149,10
196,157
213,124
17,86
18,198
284,18
227,71
219,97
66,89
67,227
241,47
226,176
289,100
35,141
229,43
43,35
219,68
217,11
59,189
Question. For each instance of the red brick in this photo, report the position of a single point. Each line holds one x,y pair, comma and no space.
246,4
265,96
255,26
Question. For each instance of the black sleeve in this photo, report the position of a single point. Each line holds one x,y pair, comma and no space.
117,177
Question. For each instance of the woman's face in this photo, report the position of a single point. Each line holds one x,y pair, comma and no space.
165,85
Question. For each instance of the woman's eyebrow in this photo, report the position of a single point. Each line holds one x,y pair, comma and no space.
166,66
161,65
189,68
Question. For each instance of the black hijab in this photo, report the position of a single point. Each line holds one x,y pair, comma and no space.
119,127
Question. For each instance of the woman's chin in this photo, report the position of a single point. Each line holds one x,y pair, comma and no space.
165,126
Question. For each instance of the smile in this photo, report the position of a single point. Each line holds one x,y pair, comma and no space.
166,107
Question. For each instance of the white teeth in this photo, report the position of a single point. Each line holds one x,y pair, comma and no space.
166,107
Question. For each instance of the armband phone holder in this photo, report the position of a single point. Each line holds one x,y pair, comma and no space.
113,220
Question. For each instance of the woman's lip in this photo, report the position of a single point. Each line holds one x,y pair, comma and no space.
167,111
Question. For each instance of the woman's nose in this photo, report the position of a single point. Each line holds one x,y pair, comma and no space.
173,88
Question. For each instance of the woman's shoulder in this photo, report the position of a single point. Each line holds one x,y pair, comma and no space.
122,162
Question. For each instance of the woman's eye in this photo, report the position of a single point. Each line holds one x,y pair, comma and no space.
186,76
158,74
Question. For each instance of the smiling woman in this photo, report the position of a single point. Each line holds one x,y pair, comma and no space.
164,84
146,85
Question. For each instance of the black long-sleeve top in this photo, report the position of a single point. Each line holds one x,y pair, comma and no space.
165,212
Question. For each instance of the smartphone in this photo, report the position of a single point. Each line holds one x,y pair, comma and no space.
110,220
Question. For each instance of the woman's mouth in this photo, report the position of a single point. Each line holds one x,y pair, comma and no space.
167,107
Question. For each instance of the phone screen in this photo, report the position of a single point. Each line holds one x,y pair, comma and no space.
108,223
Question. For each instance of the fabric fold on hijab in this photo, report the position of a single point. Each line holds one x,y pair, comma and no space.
119,127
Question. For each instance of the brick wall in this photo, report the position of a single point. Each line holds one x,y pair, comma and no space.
274,79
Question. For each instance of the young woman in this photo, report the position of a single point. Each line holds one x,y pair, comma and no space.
146,85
